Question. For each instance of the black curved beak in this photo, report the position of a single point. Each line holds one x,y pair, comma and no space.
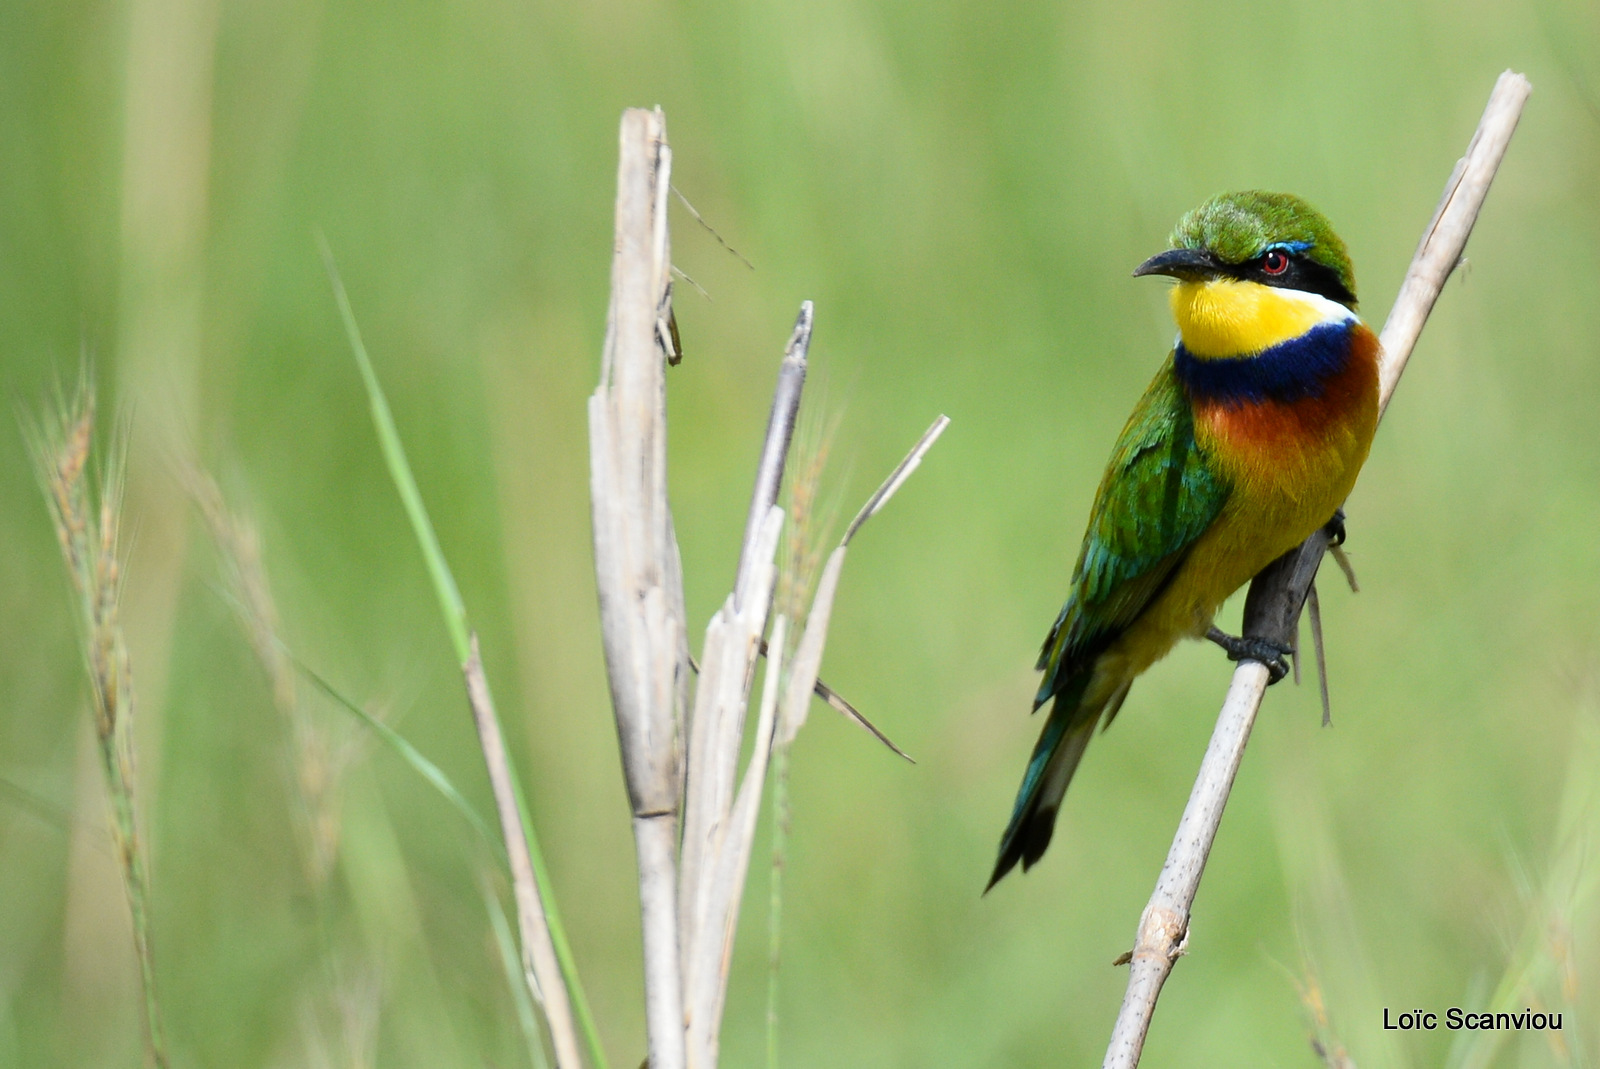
1181,263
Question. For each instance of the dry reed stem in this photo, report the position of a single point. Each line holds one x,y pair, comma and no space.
719,829
689,902
716,842
708,993
637,569
539,960
1276,595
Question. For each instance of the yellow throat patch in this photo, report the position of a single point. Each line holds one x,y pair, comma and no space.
1223,318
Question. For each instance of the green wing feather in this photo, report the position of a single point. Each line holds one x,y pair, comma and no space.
1158,495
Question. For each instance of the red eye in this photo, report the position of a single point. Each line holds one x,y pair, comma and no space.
1275,262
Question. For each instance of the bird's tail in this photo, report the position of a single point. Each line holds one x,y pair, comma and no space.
1055,758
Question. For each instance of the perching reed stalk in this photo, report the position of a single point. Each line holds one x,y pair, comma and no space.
87,515
1276,596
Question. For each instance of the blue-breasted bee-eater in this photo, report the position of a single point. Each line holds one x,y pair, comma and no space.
1247,441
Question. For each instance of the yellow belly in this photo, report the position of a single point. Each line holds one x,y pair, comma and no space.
1284,487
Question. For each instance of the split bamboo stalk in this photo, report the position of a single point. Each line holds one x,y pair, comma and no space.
718,824
637,569
689,895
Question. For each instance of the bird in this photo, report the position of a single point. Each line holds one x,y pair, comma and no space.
1248,439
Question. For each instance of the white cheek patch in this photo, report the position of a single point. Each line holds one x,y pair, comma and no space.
1329,311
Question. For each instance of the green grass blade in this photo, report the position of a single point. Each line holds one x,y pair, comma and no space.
394,455
412,756
455,614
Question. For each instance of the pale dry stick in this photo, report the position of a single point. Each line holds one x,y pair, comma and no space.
689,916
780,432
719,826
1277,594
539,963
637,569
716,732
733,640
714,955
712,845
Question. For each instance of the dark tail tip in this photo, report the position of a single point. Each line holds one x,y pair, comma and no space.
1026,843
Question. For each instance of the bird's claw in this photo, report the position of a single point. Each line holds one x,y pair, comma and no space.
1334,528
1262,650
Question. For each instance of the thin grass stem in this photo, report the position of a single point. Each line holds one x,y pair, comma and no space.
561,996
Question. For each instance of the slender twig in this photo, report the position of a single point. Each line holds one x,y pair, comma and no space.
780,432
516,982
896,479
1277,594
780,861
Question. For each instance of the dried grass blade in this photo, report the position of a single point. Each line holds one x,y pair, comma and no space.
516,982
896,478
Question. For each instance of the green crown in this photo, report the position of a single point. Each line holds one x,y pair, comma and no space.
1237,227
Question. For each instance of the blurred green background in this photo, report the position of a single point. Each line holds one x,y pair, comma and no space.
963,190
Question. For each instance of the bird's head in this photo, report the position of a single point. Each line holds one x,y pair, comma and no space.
1274,239
1254,270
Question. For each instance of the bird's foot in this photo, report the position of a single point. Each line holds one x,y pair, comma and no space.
1263,650
1334,528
